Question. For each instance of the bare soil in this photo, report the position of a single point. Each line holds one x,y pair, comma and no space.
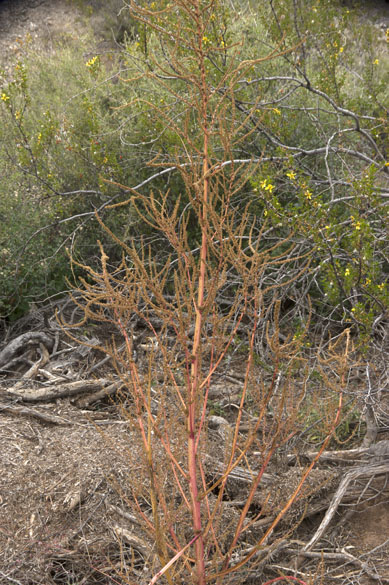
56,489
44,21
70,488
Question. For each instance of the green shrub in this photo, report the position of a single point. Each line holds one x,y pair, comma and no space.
73,132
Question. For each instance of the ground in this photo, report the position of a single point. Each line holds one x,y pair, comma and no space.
73,472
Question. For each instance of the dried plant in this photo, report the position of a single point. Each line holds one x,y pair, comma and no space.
181,489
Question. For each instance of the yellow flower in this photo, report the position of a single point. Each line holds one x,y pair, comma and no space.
341,49
308,194
5,97
376,61
277,111
267,186
381,286
291,175
357,225
387,164
206,40
368,281
347,272
92,61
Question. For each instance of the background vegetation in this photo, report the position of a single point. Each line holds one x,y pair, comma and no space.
73,131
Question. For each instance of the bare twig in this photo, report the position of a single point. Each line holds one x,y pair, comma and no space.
358,472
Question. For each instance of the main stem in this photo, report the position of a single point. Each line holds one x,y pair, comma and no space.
193,443
194,387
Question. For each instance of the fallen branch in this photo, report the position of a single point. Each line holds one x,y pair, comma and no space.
49,393
25,411
143,547
341,555
237,473
358,472
34,370
99,395
133,519
334,456
26,339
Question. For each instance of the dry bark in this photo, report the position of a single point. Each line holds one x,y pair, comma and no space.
30,412
358,472
99,395
48,393
20,343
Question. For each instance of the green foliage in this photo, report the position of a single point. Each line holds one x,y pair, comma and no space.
70,125
313,423
326,166
59,149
